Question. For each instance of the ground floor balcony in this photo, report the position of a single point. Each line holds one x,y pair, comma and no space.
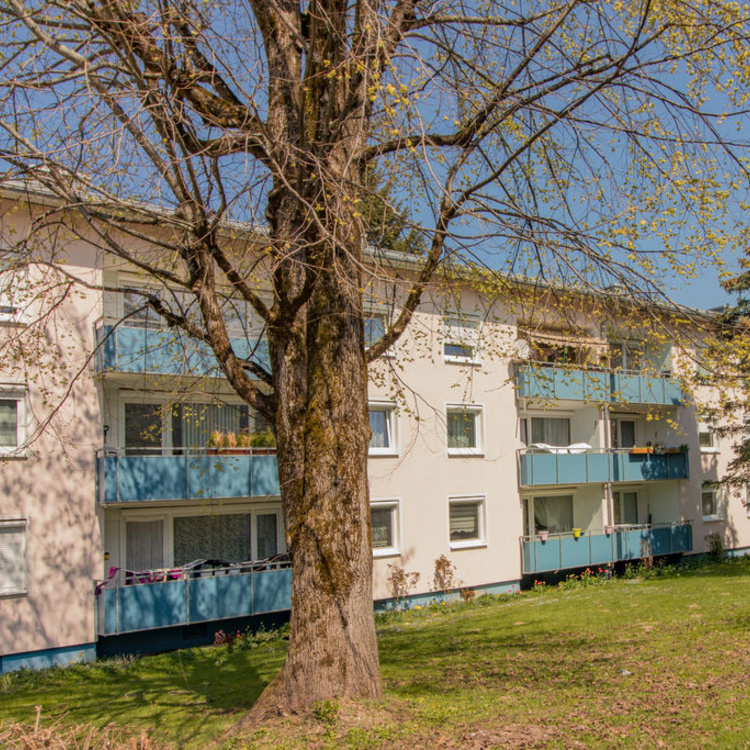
580,549
185,475
163,599
571,466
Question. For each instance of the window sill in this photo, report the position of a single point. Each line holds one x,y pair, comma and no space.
386,552
712,519
462,361
12,454
382,453
465,452
469,544
710,451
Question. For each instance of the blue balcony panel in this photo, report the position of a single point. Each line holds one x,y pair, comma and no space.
539,469
574,384
149,606
563,552
166,352
549,383
191,476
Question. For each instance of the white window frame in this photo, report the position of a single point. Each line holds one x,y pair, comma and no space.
480,500
17,581
713,489
12,312
13,392
478,411
706,427
462,329
618,498
391,425
384,314
395,515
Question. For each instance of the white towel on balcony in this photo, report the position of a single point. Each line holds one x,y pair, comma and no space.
573,448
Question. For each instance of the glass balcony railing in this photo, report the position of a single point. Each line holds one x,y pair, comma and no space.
164,351
553,382
186,475
634,465
565,551
239,591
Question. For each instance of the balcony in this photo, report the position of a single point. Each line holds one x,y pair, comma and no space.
564,551
192,474
164,351
552,382
223,594
546,468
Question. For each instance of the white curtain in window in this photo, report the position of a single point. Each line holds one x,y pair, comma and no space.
144,545
198,421
379,425
462,431
382,527
553,514
464,521
13,557
550,430
8,422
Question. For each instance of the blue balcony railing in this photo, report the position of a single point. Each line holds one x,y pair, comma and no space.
221,595
564,551
553,382
544,468
165,351
191,475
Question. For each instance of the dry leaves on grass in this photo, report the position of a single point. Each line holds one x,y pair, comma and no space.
57,736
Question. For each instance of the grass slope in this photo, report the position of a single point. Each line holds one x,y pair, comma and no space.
646,662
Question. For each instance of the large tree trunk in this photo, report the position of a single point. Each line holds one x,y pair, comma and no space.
323,433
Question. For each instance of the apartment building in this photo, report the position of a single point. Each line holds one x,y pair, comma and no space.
141,504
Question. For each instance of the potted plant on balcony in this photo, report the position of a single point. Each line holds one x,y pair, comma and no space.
576,533
641,450
543,536
262,442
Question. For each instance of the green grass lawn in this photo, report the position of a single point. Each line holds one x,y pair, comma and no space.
656,662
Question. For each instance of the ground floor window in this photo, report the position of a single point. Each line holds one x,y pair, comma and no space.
466,521
13,557
175,539
550,513
625,507
384,520
710,501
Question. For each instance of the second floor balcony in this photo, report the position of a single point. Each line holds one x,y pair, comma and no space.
555,382
571,466
164,351
185,474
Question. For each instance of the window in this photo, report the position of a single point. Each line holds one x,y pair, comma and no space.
383,426
143,429
710,501
626,355
13,557
464,430
623,433
551,513
626,508
136,312
384,522
461,342
12,422
376,324
547,430
15,294
144,544
706,436
466,522
224,536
